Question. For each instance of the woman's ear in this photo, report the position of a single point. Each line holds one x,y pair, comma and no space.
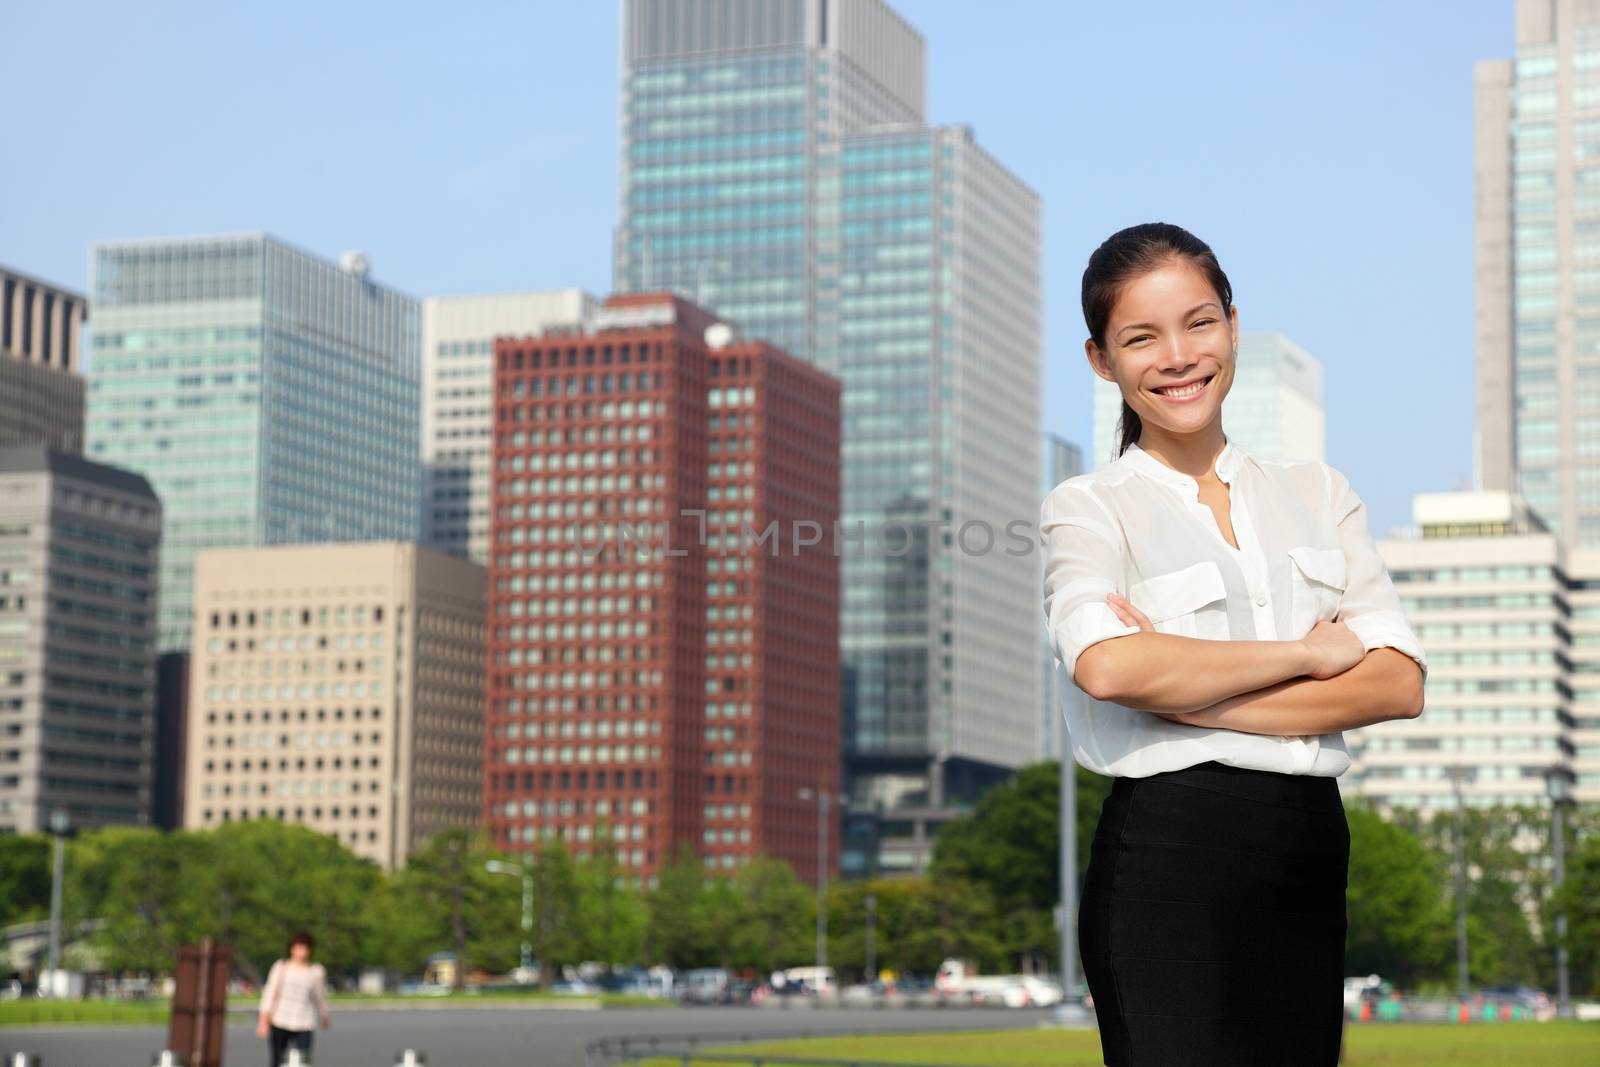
1098,361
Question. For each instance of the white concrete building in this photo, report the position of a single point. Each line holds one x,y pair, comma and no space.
458,335
1487,587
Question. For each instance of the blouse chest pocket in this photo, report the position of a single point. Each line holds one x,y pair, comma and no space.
1317,580
1191,602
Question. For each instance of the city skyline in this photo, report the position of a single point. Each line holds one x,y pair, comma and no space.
1328,134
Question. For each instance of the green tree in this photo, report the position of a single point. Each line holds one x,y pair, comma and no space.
1507,882
148,907
262,879
24,878
1400,920
1010,845
612,914
446,898
557,935
776,916
1579,899
675,934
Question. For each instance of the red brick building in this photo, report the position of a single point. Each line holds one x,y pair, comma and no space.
663,661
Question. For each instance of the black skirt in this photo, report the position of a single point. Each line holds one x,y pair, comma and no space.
1212,924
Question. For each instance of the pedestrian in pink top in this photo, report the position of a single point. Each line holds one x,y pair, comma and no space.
293,1000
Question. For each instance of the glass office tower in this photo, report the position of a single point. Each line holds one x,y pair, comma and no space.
1537,168
269,396
776,168
732,117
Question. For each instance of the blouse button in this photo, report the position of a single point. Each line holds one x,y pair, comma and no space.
1261,600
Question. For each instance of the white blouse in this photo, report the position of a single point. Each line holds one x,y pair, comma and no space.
1137,527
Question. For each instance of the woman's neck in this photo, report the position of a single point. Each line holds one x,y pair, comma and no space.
1194,454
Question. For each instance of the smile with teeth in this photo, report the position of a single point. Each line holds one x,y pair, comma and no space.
1184,393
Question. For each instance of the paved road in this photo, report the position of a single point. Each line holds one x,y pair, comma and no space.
502,1037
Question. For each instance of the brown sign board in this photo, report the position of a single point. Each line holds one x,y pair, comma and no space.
200,1004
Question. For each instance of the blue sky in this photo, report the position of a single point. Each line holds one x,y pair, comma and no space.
1323,150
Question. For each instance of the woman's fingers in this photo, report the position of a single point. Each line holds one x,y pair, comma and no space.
1130,615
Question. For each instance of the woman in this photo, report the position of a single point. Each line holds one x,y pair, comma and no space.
1228,617
293,1000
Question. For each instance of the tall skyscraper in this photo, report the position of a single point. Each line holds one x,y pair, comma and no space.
41,390
776,167
1274,407
269,395
1537,166
78,555
337,686
1062,460
664,647
733,117
458,335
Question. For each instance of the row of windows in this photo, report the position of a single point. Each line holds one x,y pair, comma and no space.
318,764
302,739
1503,600
303,691
299,787
343,615
608,410
567,754
353,837
582,728
212,717
267,668
304,643
1461,744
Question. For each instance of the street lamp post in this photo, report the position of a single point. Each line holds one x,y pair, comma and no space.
499,867
1070,1011
1556,784
58,829
823,798
1457,776
872,937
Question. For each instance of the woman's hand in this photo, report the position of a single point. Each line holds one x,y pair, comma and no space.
1335,648
1123,608
261,1026
327,1021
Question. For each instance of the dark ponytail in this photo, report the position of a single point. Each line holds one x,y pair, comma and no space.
1132,251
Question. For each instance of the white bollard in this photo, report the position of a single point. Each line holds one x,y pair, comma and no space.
24,1059
167,1058
410,1058
296,1058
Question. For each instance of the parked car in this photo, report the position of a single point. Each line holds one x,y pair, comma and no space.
704,985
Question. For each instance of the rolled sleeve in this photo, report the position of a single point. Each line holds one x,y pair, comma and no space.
1083,562
1370,606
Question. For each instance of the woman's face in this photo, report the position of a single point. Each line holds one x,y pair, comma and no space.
299,952
1167,329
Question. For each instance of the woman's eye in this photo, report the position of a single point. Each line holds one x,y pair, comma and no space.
1205,322
1141,337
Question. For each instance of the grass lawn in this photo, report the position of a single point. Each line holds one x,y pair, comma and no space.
32,1012
1555,1044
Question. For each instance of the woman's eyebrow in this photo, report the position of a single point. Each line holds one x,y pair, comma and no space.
1186,314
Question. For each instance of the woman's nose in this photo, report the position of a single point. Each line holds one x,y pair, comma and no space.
1178,354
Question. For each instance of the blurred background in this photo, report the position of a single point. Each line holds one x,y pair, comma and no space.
356,363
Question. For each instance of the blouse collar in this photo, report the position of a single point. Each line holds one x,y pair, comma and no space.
1226,464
